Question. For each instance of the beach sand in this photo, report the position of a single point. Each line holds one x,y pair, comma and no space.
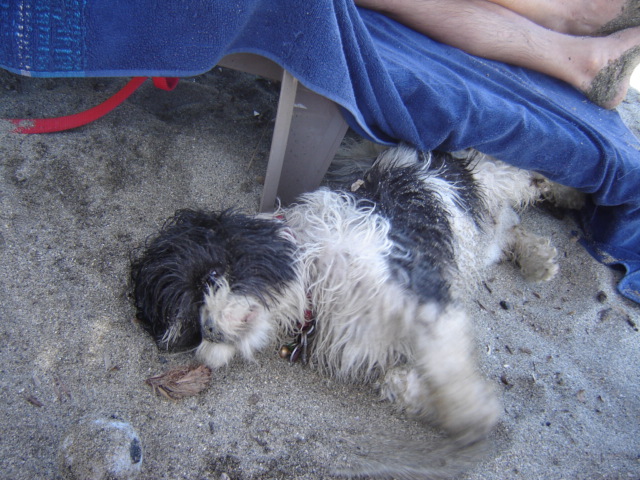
563,356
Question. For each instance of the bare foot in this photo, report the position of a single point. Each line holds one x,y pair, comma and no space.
610,81
628,17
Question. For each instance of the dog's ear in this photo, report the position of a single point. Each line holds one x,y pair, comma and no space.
260,258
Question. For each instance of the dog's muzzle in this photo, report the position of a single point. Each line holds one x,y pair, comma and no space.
211,333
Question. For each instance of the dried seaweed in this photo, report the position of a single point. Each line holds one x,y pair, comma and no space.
180,382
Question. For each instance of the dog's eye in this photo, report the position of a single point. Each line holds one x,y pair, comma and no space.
211,279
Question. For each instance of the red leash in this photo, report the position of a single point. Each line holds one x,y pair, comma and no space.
58,124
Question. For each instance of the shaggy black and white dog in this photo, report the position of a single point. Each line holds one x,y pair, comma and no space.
376,272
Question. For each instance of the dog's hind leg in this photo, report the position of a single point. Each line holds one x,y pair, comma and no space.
534,254
443,384
559,195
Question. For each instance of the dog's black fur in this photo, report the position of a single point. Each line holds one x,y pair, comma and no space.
191,253
420,221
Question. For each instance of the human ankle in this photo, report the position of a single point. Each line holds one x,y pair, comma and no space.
610,85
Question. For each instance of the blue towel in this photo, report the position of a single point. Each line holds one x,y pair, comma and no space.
392,83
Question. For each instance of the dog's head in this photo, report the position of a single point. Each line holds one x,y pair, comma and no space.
212,278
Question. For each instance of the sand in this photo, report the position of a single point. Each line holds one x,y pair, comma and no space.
563,356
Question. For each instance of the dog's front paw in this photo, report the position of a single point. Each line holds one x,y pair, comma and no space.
539,265
215,355
535,255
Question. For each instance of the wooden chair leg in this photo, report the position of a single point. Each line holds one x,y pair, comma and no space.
279,141
306,136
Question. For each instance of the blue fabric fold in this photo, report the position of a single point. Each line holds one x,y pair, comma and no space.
392,83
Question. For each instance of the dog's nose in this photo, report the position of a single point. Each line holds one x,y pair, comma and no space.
211,333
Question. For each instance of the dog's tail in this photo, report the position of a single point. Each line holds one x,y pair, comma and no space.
384,457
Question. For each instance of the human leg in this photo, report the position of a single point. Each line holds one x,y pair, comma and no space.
578,17
574,17
600,67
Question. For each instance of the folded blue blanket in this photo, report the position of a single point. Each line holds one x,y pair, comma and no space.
392,83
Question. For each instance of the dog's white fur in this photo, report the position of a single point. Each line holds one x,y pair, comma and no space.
368,327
